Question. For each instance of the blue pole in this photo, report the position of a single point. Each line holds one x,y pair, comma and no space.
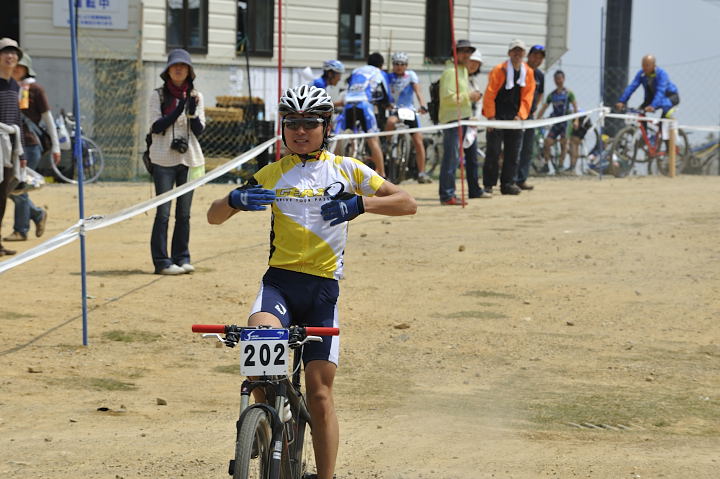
77,154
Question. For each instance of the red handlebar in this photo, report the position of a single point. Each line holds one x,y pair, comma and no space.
208,328
221,329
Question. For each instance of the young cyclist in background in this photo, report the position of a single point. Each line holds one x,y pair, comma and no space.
404,84
366,88
561,99
332,72
314,194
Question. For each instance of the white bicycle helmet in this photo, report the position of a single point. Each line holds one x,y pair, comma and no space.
334,66
306,99
400,57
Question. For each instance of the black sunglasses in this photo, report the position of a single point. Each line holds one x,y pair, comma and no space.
401,64
306,123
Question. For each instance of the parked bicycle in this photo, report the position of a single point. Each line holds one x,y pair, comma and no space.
434,150
641,143
273,437
92,157
581,141
701,159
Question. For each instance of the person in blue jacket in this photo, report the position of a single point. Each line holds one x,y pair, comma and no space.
660,92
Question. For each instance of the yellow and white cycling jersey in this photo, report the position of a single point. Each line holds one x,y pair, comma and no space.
300,239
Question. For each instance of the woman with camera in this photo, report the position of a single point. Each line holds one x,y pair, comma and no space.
178,118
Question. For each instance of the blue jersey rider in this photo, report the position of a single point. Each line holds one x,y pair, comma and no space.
404,86
332,72
366,88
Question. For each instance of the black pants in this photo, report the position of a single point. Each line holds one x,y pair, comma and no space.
496,139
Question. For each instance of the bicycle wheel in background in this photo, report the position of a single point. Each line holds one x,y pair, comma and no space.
397,161
433,153
682,150
252,447
627,149
588,145
92,158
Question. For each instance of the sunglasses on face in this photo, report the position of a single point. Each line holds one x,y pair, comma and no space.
305,123
400,64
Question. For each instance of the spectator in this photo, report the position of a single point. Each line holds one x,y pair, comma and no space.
403,84
34,107
452,97
10,53
332,72
470,140
178,117
535,59
509,96
561,99
367,87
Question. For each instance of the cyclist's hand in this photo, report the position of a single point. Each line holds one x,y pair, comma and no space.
56,157
620,106
345,208
649,109
250,198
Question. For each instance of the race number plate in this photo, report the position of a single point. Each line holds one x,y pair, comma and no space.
406,114
264,352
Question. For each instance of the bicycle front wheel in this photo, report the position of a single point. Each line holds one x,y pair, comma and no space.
302,454
252,447
92,161
626,147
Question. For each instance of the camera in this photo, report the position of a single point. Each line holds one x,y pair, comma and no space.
179,144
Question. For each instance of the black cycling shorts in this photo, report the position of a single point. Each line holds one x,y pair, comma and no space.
305,300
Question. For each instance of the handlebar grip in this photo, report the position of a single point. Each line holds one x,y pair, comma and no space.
208,328
317,331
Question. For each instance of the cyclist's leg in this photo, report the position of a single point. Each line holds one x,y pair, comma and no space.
390,123
417,140
373,142
319,378
320,359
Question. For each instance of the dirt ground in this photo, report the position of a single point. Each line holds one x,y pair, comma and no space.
475,342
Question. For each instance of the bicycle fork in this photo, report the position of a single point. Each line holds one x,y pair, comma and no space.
277,425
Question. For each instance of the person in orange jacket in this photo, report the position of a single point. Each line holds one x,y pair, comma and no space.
508,96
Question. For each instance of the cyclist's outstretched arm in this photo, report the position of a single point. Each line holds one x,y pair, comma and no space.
418,93
390,200
631,88
542,111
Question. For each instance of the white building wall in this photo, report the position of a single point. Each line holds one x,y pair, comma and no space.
42,39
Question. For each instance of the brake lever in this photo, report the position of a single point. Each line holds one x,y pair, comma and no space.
316,339
227,342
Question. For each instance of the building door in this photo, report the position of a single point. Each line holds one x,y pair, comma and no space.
10,20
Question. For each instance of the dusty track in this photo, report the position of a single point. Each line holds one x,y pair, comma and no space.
582,301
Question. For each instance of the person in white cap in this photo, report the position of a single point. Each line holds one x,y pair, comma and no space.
508,96
535,59
10,53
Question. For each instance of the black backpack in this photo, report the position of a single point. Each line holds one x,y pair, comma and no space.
434,104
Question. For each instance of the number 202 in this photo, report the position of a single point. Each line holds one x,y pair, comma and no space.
264,355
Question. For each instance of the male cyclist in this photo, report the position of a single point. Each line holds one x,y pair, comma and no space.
332,72
366,87
561,99
403,84
660,92
314,194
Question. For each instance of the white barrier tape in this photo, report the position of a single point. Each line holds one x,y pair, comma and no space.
624,116
498,124
99,221
66,237
700,128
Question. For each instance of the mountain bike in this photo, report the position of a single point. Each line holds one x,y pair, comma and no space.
434,150
355,147
398,149
701,158
92,156
273,438
641,143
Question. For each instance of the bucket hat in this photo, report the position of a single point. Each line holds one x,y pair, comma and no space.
178,56
26,62
476,56
10,43
464,44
